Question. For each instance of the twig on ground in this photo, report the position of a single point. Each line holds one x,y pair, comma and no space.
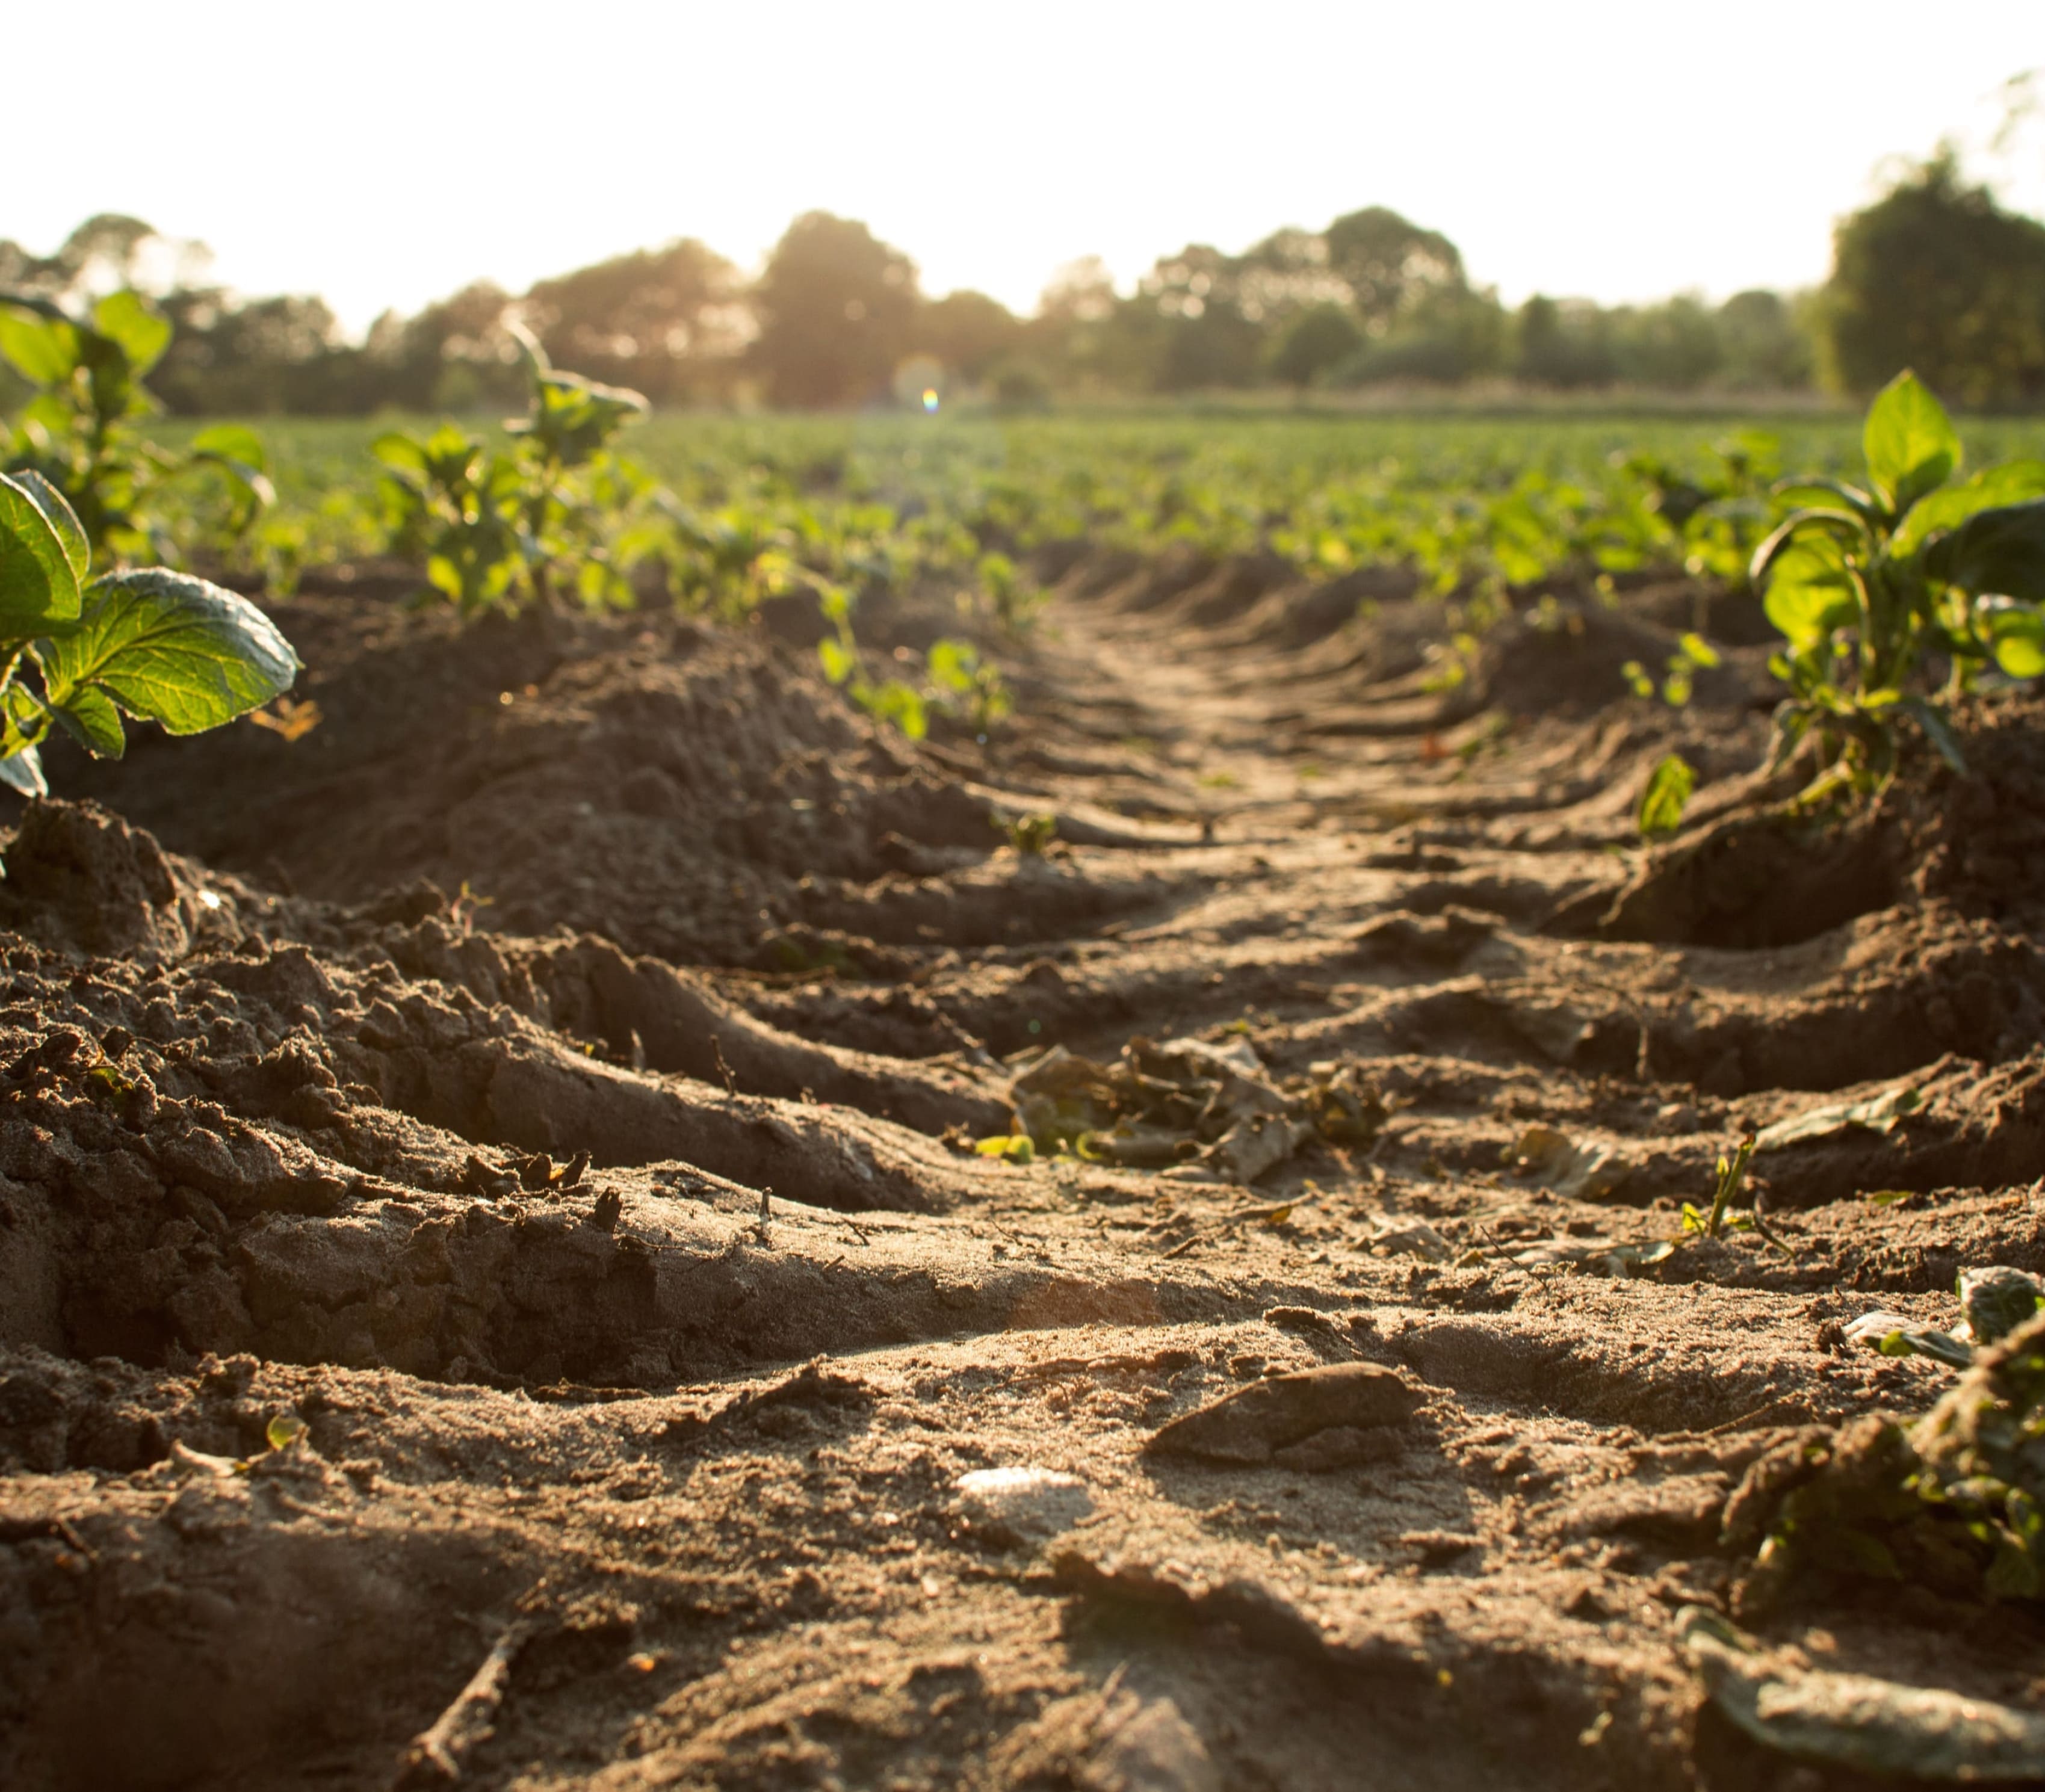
723,1070
435,1755
1228,1222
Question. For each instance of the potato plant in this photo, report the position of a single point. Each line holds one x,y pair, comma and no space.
79,431
1872,587
559,508
1722,513
79,652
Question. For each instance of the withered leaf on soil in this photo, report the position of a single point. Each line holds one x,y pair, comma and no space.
1252,1424
1856,1721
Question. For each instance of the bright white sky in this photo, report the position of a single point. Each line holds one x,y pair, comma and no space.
385,154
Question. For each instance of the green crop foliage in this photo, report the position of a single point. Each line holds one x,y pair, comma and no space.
81,652
889,700
1721,512
964,678
1731,1180
958,677
1667,795
1030,834
556,509
1869,584
79,431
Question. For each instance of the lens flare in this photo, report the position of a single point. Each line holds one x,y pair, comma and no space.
931,398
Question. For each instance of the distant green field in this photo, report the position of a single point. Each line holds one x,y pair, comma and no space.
1472,502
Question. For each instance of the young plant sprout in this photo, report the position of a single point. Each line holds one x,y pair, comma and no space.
79,652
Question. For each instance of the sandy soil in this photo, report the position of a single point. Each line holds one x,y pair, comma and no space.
488,1199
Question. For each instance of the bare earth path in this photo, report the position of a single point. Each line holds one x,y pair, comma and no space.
395,1303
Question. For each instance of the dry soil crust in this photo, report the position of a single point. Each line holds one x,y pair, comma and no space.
463,1198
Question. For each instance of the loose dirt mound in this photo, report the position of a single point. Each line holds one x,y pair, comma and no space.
677,790
495,1269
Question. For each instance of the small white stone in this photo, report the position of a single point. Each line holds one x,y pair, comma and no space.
1020,1504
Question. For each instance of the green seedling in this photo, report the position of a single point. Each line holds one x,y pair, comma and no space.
1017,1147
79,652
1014,599
558,511
1693,654
78,432
1720,514
1956,1503
889,700
1030,834
1668,794
957,676
1731,1180
1872,586
962,675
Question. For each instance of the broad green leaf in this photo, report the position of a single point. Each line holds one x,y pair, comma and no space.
1810,594
2016,633
141,332
91,715
1910,444
399,450
446,577
44,349
1804,526
248,474
233,441
37,586
1698,651
2014,482
1668,792
449,442
70,531
2000,551
171,648
1823,494
23,772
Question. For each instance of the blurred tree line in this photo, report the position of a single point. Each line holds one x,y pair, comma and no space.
1935,275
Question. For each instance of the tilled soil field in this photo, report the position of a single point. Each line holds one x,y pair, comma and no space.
498,1283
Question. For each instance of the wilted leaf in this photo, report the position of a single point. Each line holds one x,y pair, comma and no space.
1895,1334
1854,1720
1878,1113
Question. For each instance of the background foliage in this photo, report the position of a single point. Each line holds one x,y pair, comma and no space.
1933,274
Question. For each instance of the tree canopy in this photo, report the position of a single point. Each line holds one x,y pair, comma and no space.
836,306
1934,275
1937,276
